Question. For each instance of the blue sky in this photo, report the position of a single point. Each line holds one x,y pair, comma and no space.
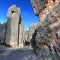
27,12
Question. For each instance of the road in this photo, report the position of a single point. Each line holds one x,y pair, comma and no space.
17,54
21,54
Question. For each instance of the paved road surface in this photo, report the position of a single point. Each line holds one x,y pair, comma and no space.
20,54
17,54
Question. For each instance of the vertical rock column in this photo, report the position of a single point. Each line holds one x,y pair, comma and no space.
32,32
12,32
21,31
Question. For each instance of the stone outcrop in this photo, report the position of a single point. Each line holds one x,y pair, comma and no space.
13,21
38,5
13,32
26,36
31,34
23,35
15,35
48,31
2,32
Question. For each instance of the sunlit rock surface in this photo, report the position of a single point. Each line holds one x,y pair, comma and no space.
23,36
48,31
46,38
13,20
38,5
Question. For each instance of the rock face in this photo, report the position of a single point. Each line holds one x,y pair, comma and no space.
2,32
32,29
38,5
26,36
12,31
48,31
23,35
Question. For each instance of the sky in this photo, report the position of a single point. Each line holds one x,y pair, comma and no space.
27,13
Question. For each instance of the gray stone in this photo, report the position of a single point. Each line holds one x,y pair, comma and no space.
2,32
48,30
13,20
23,35
38,5
32,29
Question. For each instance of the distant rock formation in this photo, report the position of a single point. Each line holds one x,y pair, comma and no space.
16,34
48,31
31,34
13,21
26,36
2,32
13,32
23,35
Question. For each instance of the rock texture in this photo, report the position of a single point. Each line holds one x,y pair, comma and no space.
23,35
38,5
48,31
31,34
2,32
13,21
13,32
26,36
